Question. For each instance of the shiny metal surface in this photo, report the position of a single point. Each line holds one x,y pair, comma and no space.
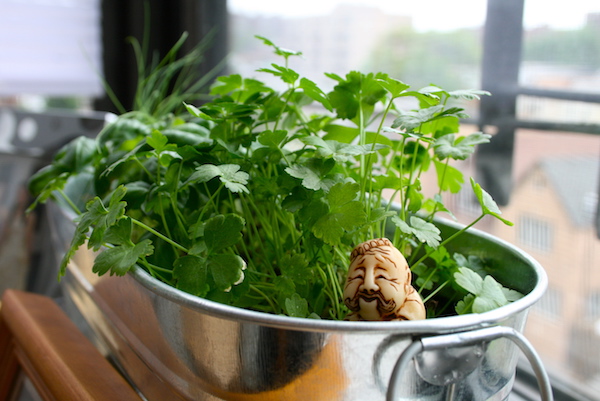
176,346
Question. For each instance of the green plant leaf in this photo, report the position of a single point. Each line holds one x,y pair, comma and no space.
296,306
449,178
272,139
287,75
465,305
511,295
492,296
341,152
229,174
488,205
278,50
295,267
119,233
157,140
312,172
226,270
190,273
226,84
222,231
459,148
393,86
345,214
410,120
120,259
340,133
473,262
488,293
469,280
425,232
355,89
315,93
99,218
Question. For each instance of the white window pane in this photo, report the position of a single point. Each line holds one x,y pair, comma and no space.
50,47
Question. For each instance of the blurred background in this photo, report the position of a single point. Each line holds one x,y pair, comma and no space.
541,63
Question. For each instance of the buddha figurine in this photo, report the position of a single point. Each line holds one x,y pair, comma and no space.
378,286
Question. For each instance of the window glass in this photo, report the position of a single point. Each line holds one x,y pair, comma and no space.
50,53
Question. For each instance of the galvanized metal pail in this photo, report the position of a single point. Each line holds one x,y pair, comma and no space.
173,345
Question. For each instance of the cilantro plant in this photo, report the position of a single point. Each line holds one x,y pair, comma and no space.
257,197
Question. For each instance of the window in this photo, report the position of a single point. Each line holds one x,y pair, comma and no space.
535,233
551,303
50,48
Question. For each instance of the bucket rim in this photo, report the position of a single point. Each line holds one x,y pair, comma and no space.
434,325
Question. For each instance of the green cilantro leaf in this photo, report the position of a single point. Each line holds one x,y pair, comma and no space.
272,139
295,267
345,213
157,140
488,292
229,174
278,50
449,178
312,173
409,120
190,273
296,306
49,186
101,218
465,305
393,86
226,84
315,93
222,231
469,280
287,75
226,270
341,152
424,231
120,259
488,205
458,148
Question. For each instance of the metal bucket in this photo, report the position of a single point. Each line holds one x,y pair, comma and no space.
174,346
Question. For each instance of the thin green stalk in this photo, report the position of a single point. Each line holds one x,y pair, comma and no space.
274,309
438,289
159,235
69,201
178,215
286,102
210,201
450,238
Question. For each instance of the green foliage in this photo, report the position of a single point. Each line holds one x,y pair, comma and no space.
251,200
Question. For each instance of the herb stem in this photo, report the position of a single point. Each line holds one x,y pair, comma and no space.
438,289
450,238
69,201
159,235
274,308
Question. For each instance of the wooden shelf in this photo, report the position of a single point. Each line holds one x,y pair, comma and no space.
36,337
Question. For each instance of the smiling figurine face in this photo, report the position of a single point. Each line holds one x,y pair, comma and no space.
378,286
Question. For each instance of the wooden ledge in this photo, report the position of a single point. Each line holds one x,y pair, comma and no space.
37,337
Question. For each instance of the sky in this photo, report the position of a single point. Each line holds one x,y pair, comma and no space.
562,15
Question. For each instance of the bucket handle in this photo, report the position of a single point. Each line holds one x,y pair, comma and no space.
470,338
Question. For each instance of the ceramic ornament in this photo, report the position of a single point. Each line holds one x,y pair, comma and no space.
378,286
